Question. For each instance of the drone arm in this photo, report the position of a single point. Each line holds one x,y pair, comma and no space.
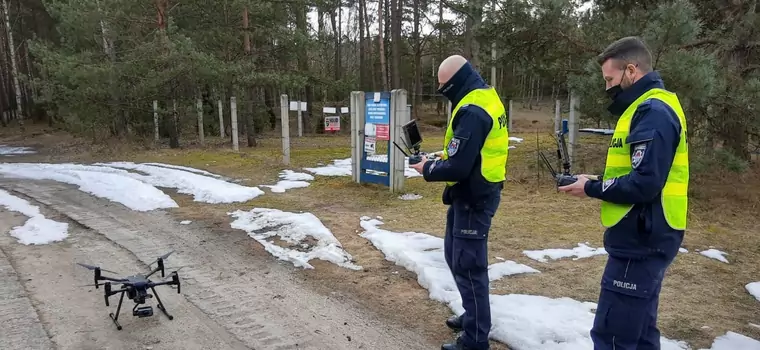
104,278
153,271
173,281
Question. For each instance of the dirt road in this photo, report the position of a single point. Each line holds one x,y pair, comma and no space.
231,297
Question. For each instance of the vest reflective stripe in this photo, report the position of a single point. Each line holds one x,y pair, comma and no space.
675,192
495,150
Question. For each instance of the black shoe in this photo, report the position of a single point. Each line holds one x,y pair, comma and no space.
454,322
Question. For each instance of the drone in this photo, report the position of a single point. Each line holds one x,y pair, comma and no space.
136,288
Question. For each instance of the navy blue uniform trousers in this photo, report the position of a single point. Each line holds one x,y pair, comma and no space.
626,314
466,253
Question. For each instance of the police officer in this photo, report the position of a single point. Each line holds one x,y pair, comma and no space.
473,166
644,197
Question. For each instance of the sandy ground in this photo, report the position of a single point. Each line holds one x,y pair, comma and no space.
233,297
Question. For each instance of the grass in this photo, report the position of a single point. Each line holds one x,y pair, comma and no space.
697,291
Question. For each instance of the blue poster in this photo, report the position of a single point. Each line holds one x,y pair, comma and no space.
378,112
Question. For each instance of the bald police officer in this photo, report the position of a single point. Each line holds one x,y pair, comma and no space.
473,166
644,197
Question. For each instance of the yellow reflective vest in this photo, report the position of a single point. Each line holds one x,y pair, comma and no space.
495,150
674,193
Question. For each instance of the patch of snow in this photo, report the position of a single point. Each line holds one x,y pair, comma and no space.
185,222
284,185
753,289
409,196
507,268
523,322
293,228
754,325
579,252
683,250
294,176
37,229
734,341
185,168
339,167
516,139
113,184
6,150
499,258
715,254
203,188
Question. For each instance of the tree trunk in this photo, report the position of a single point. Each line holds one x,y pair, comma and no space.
248,117
14,68
381,45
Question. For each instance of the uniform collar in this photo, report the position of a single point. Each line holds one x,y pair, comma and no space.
651,80
465,80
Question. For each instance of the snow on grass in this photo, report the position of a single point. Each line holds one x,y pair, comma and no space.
37,229
508,268
523,322
715,254
753,289
409,196
579,252
108,183
290,180
683,250
185,222
339,167
203,188
291,175
180,167
734,341
303,233
6,150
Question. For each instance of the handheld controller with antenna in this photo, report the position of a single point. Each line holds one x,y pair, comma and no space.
566,177
413,137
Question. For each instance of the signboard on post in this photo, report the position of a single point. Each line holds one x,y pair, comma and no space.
375,124
332,123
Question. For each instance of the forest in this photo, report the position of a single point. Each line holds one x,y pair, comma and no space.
94,67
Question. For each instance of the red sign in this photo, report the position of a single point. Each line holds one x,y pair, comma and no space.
332,123
383,131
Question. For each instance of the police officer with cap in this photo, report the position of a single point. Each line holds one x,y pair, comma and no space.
473,166
643,196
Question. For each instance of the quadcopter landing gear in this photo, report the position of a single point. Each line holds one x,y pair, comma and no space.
115,318
161,305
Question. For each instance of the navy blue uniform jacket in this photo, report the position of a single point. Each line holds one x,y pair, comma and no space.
655,130
471,127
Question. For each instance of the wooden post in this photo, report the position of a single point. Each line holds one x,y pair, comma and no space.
155,121
572,128
285,129
557,113
234,123
199,108
300,120
221,118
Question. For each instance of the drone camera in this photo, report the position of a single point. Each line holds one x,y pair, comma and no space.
143,311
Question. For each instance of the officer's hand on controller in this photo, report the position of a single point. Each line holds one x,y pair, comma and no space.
576,188
419,166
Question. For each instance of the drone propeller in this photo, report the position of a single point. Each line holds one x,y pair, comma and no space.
160,262
162,258
90,267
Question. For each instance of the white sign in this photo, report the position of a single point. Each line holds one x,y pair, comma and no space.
295,104
328,110
344,109
369,145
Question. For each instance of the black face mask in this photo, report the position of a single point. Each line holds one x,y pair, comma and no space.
615,91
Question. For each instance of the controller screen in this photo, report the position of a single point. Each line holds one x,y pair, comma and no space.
412,133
